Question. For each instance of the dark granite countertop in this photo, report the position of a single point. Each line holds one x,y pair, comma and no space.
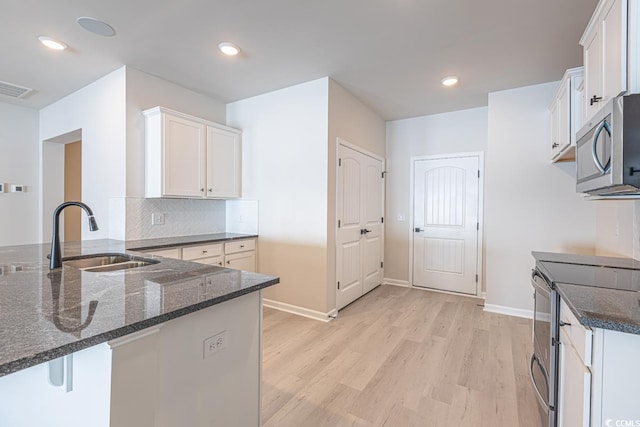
47,314
602,292
605,261
167,242
603,308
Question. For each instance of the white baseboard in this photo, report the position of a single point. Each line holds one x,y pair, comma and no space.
300,311
395,282
509,311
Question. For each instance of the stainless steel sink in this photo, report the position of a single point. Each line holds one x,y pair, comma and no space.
107,262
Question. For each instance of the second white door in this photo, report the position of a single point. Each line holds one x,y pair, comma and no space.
445,244
360,235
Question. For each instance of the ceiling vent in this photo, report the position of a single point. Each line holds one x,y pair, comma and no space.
14,91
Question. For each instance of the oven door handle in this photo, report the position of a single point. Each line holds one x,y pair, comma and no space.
534,359
545,289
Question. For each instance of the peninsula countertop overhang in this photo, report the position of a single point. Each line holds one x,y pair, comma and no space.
46,314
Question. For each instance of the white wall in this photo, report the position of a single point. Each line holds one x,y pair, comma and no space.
615,227
530,203
352,121
98,110
456,132
285,168
19,220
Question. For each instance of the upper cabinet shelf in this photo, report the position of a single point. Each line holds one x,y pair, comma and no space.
191,157
566,115
611,53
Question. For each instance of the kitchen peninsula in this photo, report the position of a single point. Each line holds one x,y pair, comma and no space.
169,343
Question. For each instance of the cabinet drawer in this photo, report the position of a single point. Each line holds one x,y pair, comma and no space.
580,338
167,253
239,246
201,251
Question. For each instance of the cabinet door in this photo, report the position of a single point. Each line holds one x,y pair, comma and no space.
574,402
224,160
245,261
564,114
614,49
555,129
184,162
593,71
212,260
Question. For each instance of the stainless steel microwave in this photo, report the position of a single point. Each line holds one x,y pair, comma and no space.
608,150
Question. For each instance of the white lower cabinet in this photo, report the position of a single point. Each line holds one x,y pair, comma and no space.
574,388
599,375
236,254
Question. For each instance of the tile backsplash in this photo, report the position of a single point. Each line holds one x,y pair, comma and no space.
182,217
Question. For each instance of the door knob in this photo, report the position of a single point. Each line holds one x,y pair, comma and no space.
418,230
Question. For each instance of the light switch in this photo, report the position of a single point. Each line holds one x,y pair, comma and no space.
400,217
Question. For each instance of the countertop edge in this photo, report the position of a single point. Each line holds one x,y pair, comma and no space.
54,353
135,246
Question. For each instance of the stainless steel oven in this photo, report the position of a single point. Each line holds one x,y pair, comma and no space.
543,367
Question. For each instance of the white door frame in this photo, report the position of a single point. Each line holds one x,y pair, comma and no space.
480,156
345,143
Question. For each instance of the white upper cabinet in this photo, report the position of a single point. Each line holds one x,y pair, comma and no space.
566,115
190,157
607,61
224,160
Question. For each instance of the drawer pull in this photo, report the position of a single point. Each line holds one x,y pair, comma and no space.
204,251
563,323
241,246
228,262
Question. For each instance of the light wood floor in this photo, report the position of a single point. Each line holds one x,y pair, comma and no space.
399,357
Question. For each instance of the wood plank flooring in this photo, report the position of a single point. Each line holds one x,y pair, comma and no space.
399,357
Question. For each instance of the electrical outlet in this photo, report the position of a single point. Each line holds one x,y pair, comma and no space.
157,218
215,344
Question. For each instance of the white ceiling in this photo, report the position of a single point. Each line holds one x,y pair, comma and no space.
391,54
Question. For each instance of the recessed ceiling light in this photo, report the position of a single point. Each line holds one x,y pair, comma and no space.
229,49
52,43
449,81
96,26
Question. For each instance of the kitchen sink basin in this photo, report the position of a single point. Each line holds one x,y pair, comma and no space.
107,262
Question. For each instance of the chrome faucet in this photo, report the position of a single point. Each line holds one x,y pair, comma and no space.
55,260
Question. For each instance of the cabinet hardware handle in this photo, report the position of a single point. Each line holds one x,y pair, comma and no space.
220,263
204,252
211,190
555,144
633,171
594,99
418,230
365,231
228,262
241,246
202,190
563,323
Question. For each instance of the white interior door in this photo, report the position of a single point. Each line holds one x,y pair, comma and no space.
359,241
445,244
